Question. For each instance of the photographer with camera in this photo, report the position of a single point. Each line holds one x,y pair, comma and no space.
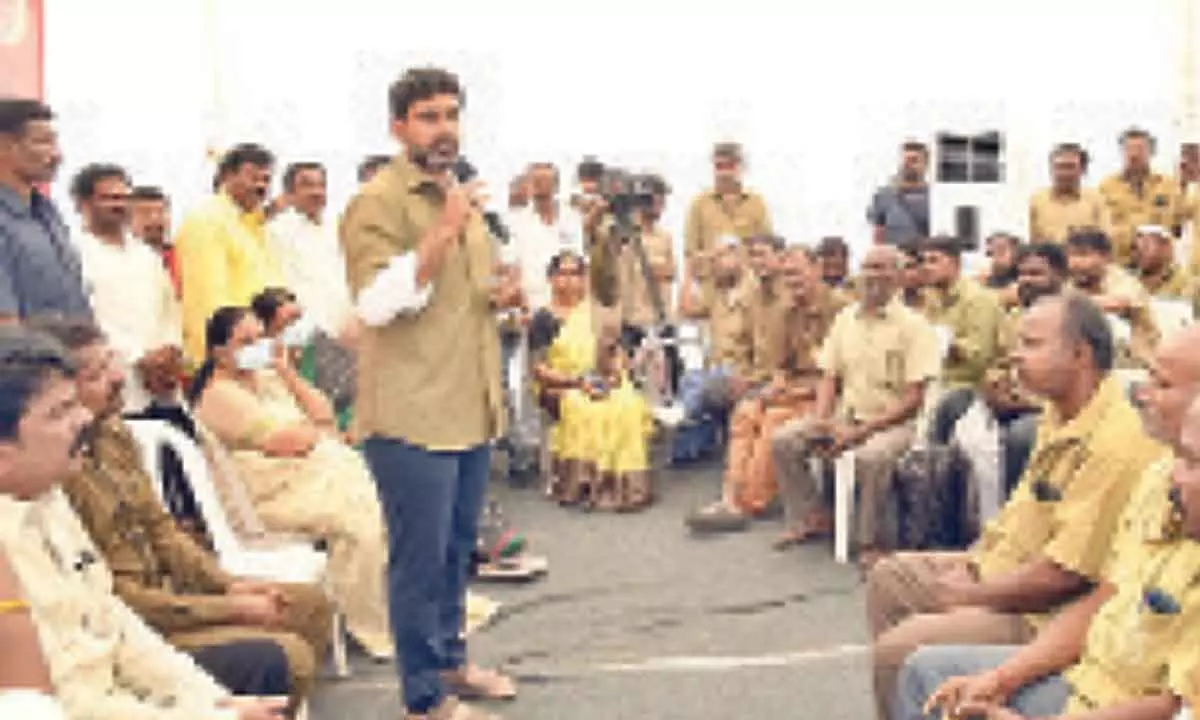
645,290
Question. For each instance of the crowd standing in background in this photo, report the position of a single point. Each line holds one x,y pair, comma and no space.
1020,446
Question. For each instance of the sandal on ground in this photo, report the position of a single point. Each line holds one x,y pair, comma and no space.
476,683
717,518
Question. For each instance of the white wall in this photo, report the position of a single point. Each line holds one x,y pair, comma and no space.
820,94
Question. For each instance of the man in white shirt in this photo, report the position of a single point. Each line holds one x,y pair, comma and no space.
542,230
131,292
105,663
308,252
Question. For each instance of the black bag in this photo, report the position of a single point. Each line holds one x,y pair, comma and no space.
936,507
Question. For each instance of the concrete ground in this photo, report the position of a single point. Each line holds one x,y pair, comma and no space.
637,619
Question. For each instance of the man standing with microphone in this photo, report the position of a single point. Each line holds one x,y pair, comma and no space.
420,263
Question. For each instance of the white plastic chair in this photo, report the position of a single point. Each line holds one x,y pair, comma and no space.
276,560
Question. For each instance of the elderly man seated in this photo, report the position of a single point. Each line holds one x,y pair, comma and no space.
158,570
104,662
1128,648
876,362
1049,542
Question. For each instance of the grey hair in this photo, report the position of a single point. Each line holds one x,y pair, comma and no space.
1084,322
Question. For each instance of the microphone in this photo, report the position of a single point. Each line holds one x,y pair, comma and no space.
465,172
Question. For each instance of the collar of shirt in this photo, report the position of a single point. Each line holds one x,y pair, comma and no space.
889,309
413,177
1052,430
293,218
1065,194
1159,279
716,193
254,219
12,202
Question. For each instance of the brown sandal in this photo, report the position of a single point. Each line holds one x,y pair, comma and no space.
475,683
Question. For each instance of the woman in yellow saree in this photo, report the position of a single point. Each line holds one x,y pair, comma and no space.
599,440
300,476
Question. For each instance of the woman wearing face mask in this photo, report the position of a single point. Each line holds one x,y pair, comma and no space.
281,433
321,360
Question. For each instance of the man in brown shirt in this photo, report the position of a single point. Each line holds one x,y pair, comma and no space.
728,209
1066,205
420,262
834,255
809,311
1139,196
639,310
176,586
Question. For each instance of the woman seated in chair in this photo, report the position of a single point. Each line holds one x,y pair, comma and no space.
26,690
301,478
602,425
323,361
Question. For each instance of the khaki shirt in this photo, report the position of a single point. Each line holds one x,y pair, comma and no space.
877,357
766,311
1132,650
731,338
430,378
1072,492
637,306
105,663
973,314
1053,216
1156,201
804,331
709,218
158,570
1118,282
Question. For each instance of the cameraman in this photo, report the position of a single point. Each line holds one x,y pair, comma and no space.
639,309
602,229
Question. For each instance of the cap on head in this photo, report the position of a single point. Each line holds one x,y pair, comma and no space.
728,151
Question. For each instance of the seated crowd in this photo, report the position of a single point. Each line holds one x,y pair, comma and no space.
1075,596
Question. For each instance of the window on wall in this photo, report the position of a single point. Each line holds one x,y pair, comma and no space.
970,158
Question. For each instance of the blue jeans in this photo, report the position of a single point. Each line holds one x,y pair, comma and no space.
927,668
431,502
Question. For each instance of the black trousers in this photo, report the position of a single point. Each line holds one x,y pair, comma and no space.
248,667
1017,431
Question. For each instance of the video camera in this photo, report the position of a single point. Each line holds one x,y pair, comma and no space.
627,193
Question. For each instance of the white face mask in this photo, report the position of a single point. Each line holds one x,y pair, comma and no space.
254,357
299,334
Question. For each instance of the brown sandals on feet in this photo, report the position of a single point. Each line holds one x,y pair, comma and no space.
475,683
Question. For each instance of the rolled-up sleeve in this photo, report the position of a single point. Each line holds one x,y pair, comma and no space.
381,263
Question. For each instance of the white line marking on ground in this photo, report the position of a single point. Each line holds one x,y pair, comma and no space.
691,663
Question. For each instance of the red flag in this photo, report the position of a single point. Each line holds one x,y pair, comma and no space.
21,48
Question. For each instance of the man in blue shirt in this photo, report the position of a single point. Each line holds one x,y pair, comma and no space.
40,271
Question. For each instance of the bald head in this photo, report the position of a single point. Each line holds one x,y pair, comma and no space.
1173,387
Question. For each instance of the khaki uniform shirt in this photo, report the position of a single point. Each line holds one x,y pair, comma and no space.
105,663
1118,282
804,331
709,218
637,305
973,315
1158,200
877,357
1053,217
158,570
1135,647
766,312
430,378
1072,492
731,338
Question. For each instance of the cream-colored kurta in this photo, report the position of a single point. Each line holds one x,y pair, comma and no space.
328,493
